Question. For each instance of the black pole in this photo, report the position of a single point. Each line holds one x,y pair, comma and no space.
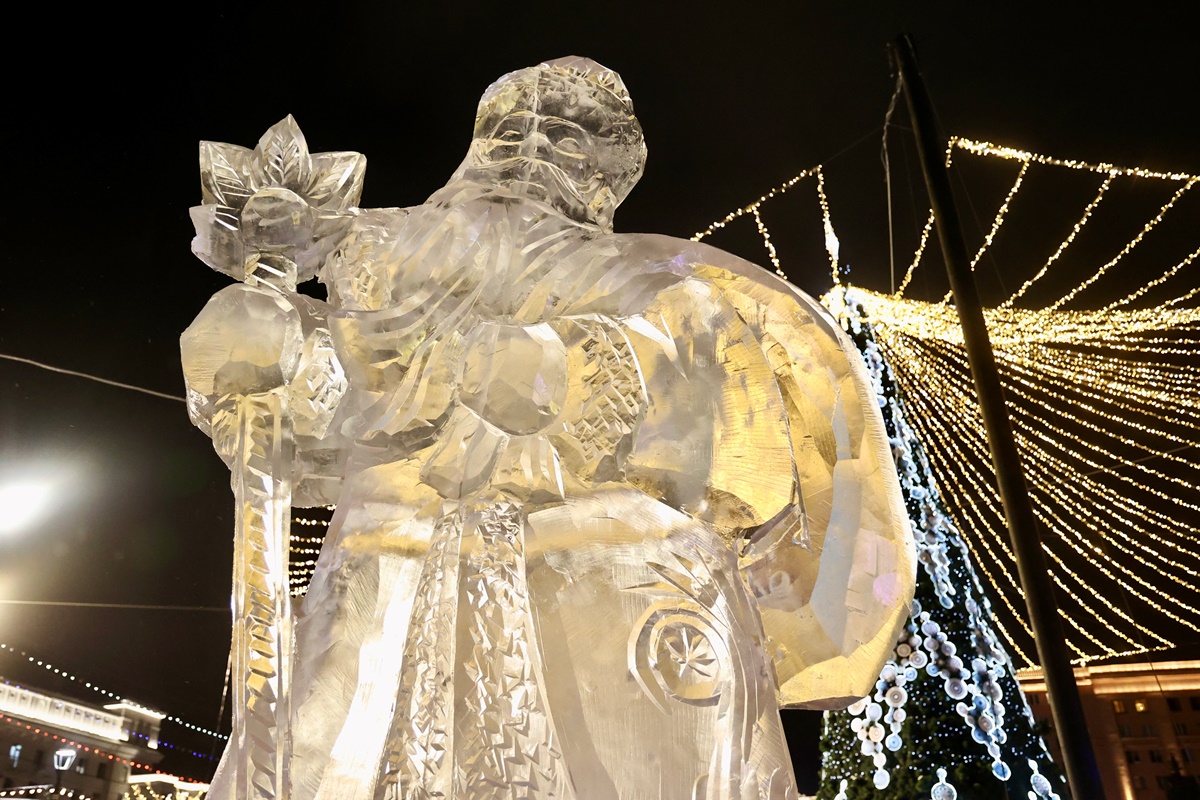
1061,689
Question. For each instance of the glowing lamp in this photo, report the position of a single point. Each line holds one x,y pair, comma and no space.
64,758
21,504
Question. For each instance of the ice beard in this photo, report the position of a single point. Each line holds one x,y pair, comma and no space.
587,201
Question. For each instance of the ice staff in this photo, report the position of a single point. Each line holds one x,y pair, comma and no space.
260,369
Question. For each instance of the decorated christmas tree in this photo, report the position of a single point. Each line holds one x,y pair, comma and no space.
948,718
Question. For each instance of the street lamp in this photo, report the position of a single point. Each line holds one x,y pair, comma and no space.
63,759
22,503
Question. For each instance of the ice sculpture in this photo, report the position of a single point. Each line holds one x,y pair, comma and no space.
604,501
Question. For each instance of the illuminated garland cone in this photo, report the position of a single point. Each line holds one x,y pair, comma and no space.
947,718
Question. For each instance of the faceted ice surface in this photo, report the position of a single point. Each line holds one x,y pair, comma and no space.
515,376
605,502
245,340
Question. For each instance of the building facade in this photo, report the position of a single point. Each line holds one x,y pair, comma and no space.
1144,721
109,745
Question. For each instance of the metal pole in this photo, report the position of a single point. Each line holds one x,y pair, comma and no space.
1069,724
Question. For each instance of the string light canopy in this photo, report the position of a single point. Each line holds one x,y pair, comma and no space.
1105,401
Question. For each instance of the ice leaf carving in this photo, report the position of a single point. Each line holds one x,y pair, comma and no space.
283,155
337,180
275,212
217,243
225,173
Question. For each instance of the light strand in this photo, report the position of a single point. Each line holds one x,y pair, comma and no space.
1149,226
112,695
987,491
989,149
977,443
751,207
1087,215
997,222
34,729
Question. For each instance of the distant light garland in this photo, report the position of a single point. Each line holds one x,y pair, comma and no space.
1149,226
87,749
912,267
752,207
925,231
301,571
170,746
1062,247
87,684
139,792
26,791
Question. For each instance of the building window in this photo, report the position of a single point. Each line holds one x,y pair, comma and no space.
1174,704
1181,728
1125,731
1119,706
102,771
1163,781
1035,700
1147,730
39,758
1132,756
81,766
1194,702
1156,757
1139,706
1139,781
1186,754
14,753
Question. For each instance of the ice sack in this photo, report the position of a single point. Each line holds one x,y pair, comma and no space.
605,501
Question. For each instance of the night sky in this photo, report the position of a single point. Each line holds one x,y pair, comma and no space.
100,143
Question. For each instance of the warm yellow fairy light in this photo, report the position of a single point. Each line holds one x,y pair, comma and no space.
1129,298
990,500
917,257
934,422
989,149
927,229
832,245
750,209
1087,215
943,381
1001,215
1149,226
766,237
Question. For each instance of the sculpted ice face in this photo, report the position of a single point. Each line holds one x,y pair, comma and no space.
563,133
604,501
